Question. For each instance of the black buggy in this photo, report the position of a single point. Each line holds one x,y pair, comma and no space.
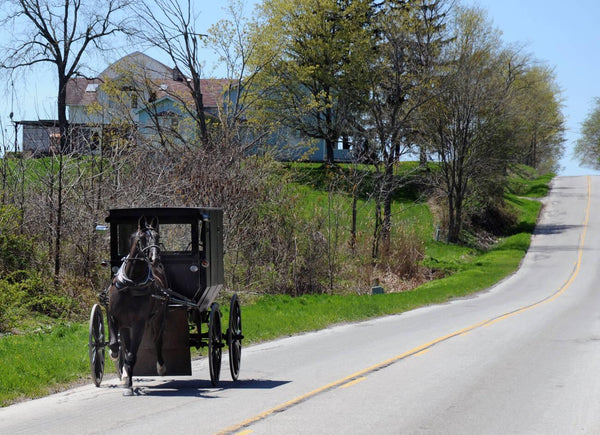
191,252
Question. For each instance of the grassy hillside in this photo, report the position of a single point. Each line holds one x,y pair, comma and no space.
52,357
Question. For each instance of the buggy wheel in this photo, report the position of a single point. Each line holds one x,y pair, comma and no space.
96,344
215,344
234,337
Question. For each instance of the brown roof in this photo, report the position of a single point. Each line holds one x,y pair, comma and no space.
80,93
77,94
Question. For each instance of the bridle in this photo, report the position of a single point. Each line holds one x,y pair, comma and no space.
145,249
122,281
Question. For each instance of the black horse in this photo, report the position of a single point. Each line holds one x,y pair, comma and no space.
136,301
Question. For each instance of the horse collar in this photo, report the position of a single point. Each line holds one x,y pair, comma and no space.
122,281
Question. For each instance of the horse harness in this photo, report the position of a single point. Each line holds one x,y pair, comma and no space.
142,288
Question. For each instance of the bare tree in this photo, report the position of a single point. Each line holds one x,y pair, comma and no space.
411,37
228,39
58,33
171,27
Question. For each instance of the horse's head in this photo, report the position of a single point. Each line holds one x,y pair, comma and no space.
147,240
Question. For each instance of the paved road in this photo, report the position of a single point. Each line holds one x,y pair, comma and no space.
522,357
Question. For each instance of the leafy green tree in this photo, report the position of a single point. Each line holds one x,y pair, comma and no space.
587,148
538,127
465,123
317,52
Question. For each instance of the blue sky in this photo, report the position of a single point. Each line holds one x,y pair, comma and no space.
565,36
562,35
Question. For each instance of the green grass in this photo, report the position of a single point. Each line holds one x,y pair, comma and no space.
34,365
527,184
275,316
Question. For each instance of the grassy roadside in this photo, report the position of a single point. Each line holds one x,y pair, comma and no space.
37,364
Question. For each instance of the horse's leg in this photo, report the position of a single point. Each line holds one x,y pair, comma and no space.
128,360
136,333
113,334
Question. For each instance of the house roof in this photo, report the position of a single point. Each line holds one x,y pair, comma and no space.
83,91
80,93
138,61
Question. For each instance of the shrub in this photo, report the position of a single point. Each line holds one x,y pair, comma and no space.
11,305
401,268
16,251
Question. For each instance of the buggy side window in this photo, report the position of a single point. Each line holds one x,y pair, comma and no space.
176,238
124,232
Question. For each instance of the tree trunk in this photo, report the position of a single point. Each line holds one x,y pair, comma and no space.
532,161
329,154
354,216
199,103
376,230
64,147
422,157
378,219
388,192
454,216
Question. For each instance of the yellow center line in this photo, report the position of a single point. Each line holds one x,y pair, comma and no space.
354,382
360,375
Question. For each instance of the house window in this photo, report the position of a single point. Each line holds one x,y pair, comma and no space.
134,100
168,119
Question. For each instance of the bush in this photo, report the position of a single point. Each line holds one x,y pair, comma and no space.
401,268
11,305
16,251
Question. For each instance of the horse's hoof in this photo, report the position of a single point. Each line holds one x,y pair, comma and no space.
161,369
128,392
125,377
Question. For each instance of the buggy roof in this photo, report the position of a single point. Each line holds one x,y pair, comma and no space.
164,214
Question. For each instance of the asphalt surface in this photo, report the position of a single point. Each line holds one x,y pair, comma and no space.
521,357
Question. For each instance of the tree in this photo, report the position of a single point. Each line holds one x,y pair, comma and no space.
465,123
228,39
538,126
58,33
587,148
318,52
171,27
410,39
